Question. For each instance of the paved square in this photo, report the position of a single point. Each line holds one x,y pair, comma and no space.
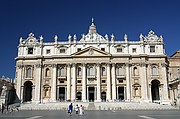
122,114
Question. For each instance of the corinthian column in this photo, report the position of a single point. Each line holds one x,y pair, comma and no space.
38,83
18,82
54,82
113,82
128,83
143,76
84,83
165,84
98,83
68,82
73,92
108,83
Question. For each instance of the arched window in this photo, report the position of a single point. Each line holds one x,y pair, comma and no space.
154,71
79,71
120,71
91,71
47,74
28,73
62,71
135,71
103,71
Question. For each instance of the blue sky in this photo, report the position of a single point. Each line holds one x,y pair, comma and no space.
63,17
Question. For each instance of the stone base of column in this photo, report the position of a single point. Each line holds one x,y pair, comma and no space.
99,100
84,100
145,101
166,102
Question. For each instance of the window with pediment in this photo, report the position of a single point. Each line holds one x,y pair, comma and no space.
28,72
91,71
154,71
62,71
103,71
47,72
62,50
135,71
30,50
152,49
79,71
120,71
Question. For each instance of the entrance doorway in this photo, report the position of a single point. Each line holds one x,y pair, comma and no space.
27,94
91,94
121,93
79,95
155,90
103,96
62,93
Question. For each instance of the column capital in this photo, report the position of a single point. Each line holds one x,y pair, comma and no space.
39,65
54,65
164,64
20,66
98,64
74,64
127,64
84,64
143,64
68,65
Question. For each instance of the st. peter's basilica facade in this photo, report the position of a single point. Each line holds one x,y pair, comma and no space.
93,68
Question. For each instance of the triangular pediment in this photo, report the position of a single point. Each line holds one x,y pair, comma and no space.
91,52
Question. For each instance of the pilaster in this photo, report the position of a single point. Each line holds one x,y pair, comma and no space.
108,83
98,82
68,82
84,83
113,82
144,86
128,85
54,83
73,92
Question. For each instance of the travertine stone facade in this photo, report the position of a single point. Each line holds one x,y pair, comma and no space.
174,78
93,68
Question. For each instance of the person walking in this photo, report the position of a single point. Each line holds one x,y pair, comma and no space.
76,109
81,110
70,109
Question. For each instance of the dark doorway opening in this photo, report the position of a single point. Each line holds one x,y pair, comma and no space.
91,94
62,93
79,95
155,90
103,96
121,93
27,91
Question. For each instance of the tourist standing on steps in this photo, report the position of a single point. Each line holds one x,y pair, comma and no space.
76,109
70,109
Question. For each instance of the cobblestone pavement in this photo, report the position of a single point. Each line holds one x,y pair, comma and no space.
121,114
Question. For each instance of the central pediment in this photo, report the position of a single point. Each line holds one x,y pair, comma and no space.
91,52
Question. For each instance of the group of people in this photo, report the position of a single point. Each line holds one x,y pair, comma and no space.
78,109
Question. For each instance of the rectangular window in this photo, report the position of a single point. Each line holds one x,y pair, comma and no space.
121,81
61,81
48,51
103,81
79,81
152,48
134,50
30,50
103,49
119,49
62,50
79,49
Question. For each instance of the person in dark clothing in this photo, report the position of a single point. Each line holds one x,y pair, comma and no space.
70,109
